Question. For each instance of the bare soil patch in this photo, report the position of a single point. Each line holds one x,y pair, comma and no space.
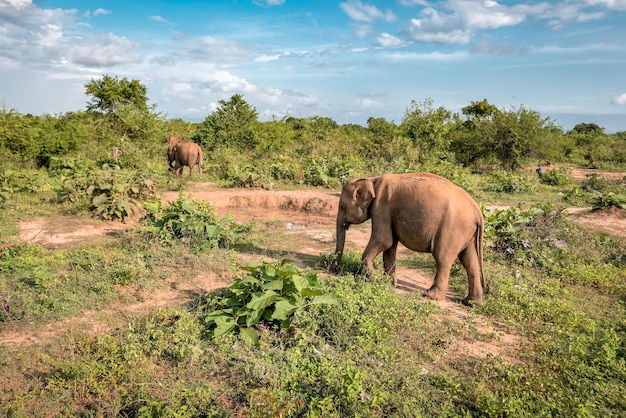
583,173
308,216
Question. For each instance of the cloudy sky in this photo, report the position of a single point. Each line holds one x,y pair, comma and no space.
348,60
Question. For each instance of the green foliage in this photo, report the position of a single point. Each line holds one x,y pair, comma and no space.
232,125
111,95
250,176
597,183
610,199
329,172
512,183
508,137
588,128
502,225
120,200
271,293
428,129
192,222
557,287
558,177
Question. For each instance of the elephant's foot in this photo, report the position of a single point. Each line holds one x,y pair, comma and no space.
469,301
435,293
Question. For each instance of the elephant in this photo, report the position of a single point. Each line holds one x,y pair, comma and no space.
424,212
172,143
181,154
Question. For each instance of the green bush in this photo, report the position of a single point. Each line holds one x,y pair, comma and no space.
558,177
610,199
270,293
511,182
194,222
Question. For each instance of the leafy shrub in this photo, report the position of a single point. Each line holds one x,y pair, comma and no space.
595,182
66,166
270,293
117,197
250,176
502,225
510,182
316,174
191,221
536,236
575,196
610,199
555,177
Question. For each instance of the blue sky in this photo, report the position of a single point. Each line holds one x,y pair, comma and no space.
348,59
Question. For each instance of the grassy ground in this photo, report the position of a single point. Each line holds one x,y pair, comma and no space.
550,339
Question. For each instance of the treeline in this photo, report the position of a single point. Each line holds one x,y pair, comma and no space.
119,128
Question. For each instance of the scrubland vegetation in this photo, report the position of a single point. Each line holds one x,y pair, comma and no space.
282,340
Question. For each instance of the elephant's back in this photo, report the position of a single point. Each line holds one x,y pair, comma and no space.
433,197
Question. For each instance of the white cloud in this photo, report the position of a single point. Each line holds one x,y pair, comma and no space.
159,19
181,90
439,27
430,56
48,38
609,4
222,51
386,40
464,20
361,31
101,11
619,100
410,3
484,47
225,82
18,4
362,12
267,58
366,103
269,3
108,50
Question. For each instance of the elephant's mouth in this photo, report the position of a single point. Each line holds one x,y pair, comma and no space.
345,226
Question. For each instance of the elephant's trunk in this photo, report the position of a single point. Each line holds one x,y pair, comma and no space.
342,227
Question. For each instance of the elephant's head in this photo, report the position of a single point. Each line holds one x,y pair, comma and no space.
172,143
356,196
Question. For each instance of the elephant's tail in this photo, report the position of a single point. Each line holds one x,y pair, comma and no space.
480,232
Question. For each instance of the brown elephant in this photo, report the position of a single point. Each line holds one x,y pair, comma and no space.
426,213
181,154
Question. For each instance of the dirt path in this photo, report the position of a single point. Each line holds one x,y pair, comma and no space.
303,212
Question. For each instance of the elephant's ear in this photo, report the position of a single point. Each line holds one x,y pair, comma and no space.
364,193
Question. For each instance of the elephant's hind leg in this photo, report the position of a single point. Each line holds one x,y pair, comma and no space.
440,285
469,259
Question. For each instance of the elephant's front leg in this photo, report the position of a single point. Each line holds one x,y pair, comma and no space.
389,261
376,246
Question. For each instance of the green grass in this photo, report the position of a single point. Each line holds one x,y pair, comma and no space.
556,292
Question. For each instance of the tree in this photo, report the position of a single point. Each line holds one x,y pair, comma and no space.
479,111
428,129
494,135
110,95
588,128
381,130
124,104
232,125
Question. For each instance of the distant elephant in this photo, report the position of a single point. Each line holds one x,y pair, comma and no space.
426,213
182,154
172,143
